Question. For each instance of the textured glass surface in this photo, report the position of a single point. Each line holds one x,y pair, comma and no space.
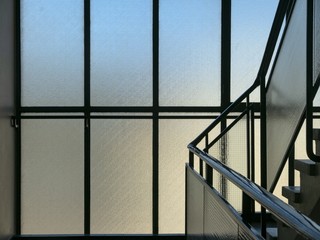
189,56
231,150
52,165
174,136
316,51
121,176
316,40
121,52
251,22
286,95
195,193
52,52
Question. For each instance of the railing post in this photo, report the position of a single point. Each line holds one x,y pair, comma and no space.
291,167
209,171
263,148
246,200
191,159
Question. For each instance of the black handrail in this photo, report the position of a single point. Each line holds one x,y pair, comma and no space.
225,113
282,211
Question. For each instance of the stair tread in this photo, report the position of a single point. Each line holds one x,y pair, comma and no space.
306,166
272,233
292,193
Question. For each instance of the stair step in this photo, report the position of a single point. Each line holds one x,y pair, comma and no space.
272,233
292,193
316,134
306,166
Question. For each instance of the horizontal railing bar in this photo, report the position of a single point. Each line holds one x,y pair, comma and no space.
282,211
226,112
227,129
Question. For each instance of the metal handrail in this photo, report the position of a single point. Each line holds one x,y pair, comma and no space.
225,113
282,211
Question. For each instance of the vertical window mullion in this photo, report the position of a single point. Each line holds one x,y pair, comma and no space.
155,140
87,116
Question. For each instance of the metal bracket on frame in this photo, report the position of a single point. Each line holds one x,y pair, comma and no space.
14,122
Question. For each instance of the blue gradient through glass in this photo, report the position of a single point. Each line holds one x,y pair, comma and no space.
189,58
121,53
52,53
251,22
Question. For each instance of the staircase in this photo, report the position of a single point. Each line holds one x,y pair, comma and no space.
306,197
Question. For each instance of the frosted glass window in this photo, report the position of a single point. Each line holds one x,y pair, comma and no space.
121,176
189,57
286,95
174,137
121,53
251,22
52,164
52,52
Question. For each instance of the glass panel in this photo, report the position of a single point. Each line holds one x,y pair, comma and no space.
286,95
251,24
316,40
121,176
190,52
174,136
231,150
316,51
121,53
52,165
52,52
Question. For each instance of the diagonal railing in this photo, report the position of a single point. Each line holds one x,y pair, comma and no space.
303,225
248,110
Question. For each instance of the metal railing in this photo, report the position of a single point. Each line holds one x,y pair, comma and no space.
249,110
282,211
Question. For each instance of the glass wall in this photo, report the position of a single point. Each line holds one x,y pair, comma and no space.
112,92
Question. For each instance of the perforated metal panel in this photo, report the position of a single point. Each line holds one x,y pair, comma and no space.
209,213
195,197
218,225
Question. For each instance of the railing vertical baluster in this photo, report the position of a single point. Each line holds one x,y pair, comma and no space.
252,145
209,173
263,148
248,138
200,167
246,200
191,159
291,167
